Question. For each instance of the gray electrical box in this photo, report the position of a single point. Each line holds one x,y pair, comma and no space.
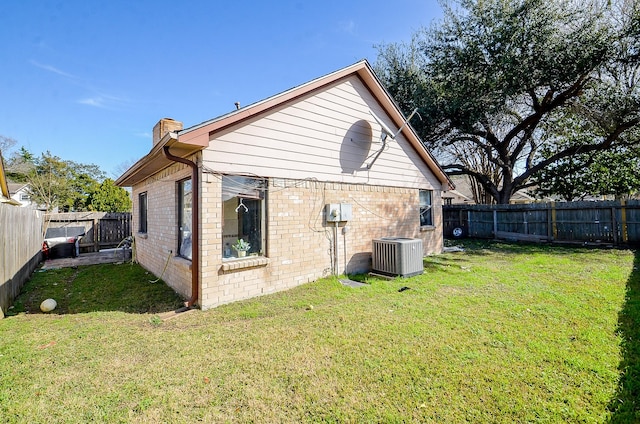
338,212
346,213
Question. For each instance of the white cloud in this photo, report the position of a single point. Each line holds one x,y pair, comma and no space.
104,101
95,101
347,26
53,69
97,98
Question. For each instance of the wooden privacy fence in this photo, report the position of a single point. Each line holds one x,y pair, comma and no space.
21,235
101,230
613,222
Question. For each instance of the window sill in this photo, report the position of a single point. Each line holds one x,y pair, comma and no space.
182,262
142,236
427,228
243,263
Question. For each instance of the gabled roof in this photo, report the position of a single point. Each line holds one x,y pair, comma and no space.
190,140
16,187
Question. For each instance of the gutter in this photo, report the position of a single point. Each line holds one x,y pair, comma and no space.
195,231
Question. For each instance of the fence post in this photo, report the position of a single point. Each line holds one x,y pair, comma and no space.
554,224
623,213
96,242
614,225
495,223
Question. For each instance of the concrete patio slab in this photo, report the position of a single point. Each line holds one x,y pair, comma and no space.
103,257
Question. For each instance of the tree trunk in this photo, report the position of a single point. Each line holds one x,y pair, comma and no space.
505,194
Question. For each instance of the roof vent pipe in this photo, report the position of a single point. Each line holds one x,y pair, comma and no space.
195,220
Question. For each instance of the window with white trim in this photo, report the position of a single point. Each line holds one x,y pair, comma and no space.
185,197
142,212
244,206
426,213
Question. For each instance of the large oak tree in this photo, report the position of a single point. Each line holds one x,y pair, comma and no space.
509,89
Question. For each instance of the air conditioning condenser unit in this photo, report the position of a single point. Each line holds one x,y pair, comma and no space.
397,256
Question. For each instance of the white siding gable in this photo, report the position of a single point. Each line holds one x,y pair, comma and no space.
329,135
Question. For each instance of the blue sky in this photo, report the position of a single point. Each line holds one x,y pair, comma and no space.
88,79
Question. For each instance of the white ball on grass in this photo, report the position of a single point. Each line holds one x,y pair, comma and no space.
48,305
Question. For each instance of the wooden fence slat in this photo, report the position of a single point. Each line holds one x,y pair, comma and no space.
21,235
102,230
600,222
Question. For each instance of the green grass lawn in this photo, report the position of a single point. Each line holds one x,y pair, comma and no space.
498,333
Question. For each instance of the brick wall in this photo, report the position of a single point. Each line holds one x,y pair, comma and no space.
299,242
157,249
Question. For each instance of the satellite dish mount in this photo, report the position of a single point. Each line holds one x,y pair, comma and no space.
386,133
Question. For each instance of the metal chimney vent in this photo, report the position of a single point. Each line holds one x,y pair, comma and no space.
397,256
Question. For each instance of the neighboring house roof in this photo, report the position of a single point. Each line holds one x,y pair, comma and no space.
18,192
521,196
463,187
185,142
5,196
16,187
456,196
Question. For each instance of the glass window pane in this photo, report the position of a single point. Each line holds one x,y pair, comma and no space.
142,213
243,215
184,212
426,214
425,197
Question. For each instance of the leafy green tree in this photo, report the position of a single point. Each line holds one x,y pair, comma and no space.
108,197
16,164
48,182
19,165
62,184
496,81
607,173
615,173
84,180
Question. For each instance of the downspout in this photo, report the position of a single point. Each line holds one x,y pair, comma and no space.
195,222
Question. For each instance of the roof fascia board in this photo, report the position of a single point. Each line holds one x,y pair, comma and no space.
143,160
144,166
